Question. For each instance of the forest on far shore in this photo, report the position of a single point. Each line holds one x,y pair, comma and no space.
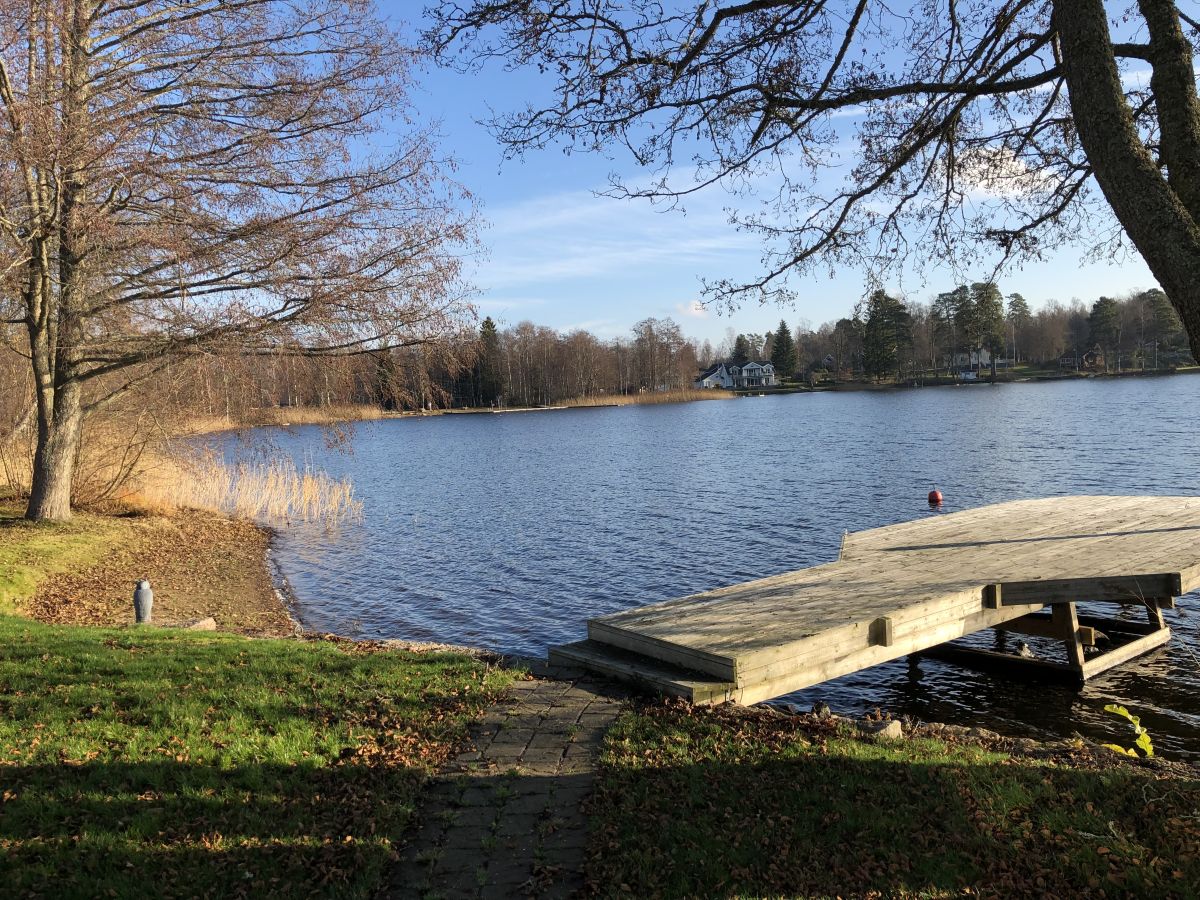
528,364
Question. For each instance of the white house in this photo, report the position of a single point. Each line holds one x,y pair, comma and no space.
715,377
752,374
974,359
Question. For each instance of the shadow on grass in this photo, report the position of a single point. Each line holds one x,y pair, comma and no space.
188,830
828,825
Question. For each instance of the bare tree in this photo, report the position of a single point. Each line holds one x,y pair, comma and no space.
982,126
220,176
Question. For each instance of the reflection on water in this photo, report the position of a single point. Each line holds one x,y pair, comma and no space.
509,531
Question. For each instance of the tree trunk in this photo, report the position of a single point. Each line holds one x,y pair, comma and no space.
60,420
1154,216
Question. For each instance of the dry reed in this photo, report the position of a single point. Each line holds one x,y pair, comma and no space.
684,395
272,492
280,415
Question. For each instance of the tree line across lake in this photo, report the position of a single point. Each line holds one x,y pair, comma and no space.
885,337
531,365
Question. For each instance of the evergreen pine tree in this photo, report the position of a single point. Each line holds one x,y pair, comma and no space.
1104,326
887,335
783,352
988,318
1168,329
488,366
741,351
1018,317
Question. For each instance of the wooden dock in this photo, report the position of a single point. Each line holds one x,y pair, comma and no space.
913,587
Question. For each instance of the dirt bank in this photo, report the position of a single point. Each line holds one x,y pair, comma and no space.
200,564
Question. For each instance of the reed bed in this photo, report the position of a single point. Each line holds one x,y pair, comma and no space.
280,415
271,492
684,395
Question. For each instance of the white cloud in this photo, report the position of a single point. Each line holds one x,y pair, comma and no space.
567,236
693,310
997,172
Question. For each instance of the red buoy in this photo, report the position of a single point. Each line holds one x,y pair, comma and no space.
935,497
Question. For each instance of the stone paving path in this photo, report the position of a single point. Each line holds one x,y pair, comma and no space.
505,819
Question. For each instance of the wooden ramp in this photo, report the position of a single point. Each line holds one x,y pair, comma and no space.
912,587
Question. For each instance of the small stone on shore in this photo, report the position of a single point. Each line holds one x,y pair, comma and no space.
889,730
205,624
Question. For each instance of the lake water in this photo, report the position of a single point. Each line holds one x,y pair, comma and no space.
508,531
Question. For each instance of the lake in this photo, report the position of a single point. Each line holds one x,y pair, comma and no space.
508,531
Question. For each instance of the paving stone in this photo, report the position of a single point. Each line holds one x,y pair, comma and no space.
461,888
580,750
561,889
596,719
516,824
541,764
560,858
506,761
514,733
470,838
477,796
527,805
501,892
509,871
475,817
571,796
546,740
557,725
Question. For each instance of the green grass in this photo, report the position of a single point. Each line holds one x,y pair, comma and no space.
29,551
701,803
140,760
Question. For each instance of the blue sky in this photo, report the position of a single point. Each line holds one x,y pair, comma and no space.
557,254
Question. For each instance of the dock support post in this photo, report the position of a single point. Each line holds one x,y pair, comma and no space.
1154,612
1066,622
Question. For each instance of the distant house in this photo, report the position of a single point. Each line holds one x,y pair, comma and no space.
1089,359
715,377
724,375
754,374
974,359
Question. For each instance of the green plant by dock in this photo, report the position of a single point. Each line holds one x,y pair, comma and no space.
1142,739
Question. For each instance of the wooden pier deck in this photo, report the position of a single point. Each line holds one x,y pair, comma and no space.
912,587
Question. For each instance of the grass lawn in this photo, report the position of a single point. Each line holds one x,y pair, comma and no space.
142,761
31,552
749,803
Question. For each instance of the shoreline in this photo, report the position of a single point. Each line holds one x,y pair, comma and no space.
350,414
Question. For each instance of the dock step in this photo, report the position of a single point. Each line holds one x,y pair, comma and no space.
651,674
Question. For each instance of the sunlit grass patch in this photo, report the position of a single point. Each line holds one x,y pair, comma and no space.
29,551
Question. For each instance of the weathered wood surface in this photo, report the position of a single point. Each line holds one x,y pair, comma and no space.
932,580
